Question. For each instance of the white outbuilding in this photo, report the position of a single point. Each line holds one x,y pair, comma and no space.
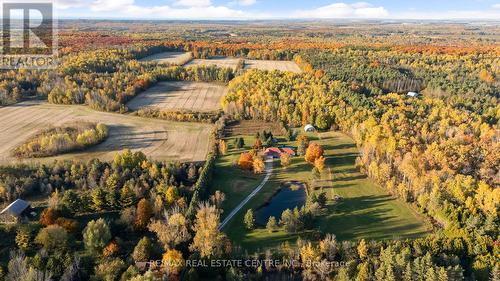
413,94
309,128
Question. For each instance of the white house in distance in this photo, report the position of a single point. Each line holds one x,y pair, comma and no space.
413,94
309,128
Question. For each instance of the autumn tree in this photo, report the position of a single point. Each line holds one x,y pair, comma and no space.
302,143
271,225
172,262
257,145
171,231
285,159
249,220
319,163
52,237
111,249
23,238
48,216
362,249
222,147
96,236
258,165
143,215
218,198
208,240
143,250
246,161
313,152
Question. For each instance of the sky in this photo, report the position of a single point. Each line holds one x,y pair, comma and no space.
279,9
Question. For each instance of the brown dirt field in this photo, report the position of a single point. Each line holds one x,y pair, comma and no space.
181,95
158,139
250,127
175,58
219,62
273,65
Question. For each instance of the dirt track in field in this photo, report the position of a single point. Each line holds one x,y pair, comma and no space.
175,58
273,65
158,139
182,96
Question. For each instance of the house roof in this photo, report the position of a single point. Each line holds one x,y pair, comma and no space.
273,149
16,208
412,94
288,150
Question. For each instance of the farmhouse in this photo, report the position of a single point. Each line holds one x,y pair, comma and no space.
15,211
276,152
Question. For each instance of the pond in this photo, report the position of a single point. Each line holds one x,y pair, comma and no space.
291,195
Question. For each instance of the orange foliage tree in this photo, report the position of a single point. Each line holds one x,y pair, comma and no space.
246,161
313,152
143,215
48,217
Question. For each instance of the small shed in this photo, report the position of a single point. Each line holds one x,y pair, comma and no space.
413,94
16,210
309,128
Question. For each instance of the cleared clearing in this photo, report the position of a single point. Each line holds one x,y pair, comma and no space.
174,58
158,139
217,61
182,96
273,65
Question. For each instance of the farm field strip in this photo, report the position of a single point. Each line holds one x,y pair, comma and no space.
175,58
182,96
219,62
158,139
273,65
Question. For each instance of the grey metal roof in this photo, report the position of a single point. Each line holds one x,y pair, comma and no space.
16,208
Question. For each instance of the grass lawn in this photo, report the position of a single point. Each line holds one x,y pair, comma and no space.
366,211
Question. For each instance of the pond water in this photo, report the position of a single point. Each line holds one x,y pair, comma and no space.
288,197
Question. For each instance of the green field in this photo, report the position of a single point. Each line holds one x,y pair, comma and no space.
366,210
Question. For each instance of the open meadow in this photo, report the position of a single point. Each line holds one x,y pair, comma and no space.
181,96
273,65
171,58
160,140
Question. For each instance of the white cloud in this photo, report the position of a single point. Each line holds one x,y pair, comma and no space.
110,5
450,15
181,9
66,4
244,2
496,6
343,10
193,3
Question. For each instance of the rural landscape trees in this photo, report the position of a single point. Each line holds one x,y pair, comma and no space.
435,152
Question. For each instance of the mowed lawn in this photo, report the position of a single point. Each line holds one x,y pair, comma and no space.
366,211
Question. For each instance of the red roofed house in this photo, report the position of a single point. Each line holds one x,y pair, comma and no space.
276,152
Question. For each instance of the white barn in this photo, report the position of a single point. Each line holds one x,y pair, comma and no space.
413,94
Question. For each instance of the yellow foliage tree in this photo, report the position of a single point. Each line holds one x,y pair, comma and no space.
313,152
258,165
